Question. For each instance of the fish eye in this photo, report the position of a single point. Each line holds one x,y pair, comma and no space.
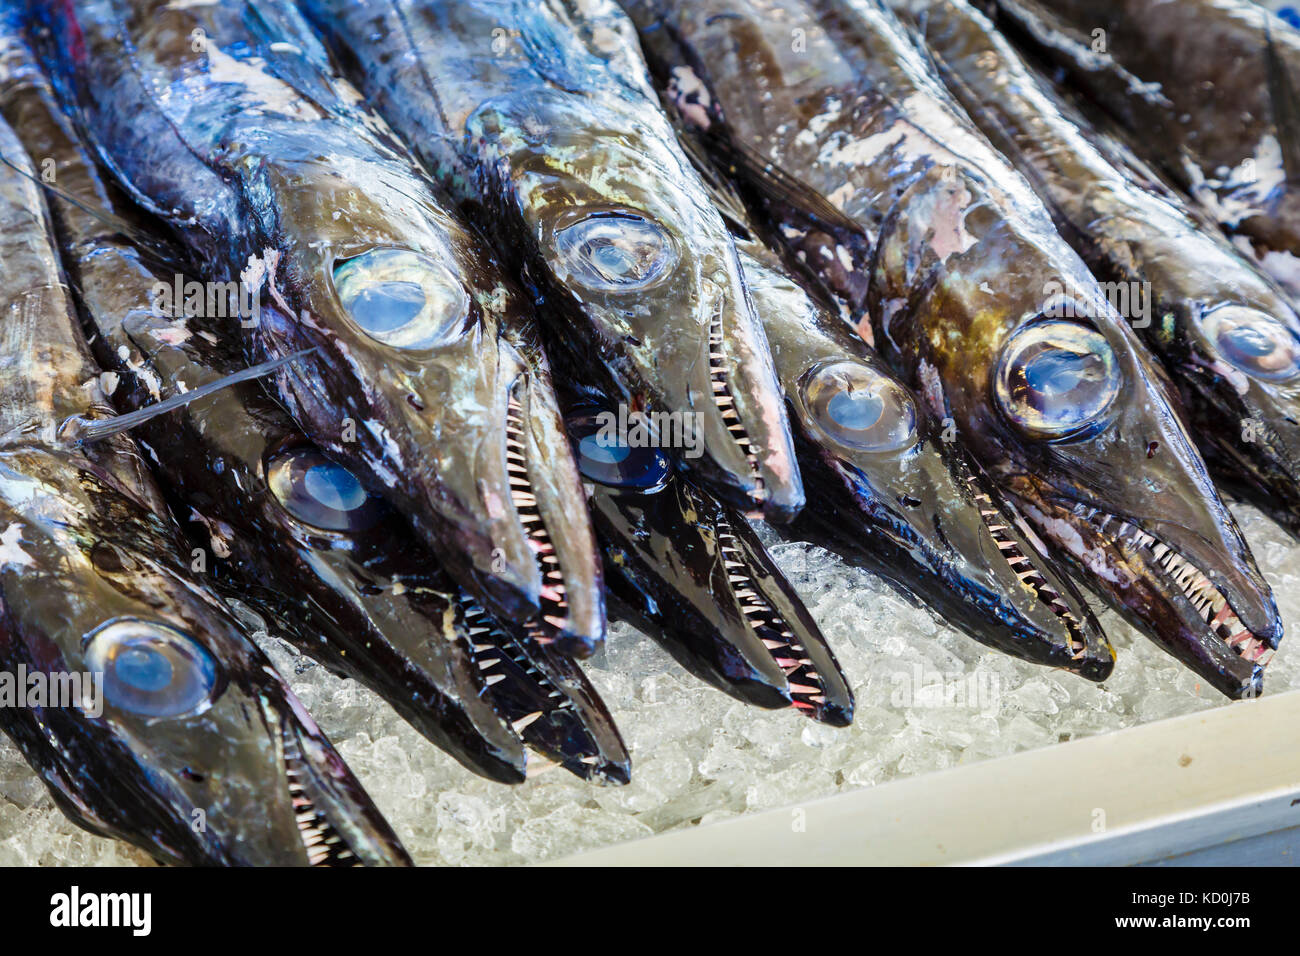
857,406
401,298
1253,341
320,492
1057,379
615,251
606,459
152,669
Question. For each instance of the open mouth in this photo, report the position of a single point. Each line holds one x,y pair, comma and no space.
1207,600
322,842
726,402
1023,566
807,690
553,598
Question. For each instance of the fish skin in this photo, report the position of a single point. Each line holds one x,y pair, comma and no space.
955,254
919,515
689,571
1130,229
1205,89
534,127
261,158
88,545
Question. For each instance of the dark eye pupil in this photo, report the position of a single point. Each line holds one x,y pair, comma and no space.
388,306
321,493
334,487
591,449
144,669
1056,379
857,410
1054,373
615,252
604,459
151,669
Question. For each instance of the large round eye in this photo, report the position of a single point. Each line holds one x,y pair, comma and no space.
1253,341
321,493
1057,379
401,298
855,405
605,456
152,669
615,252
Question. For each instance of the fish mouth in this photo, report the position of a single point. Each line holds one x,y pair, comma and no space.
1179,575
547,497
547,700
337,824
691,572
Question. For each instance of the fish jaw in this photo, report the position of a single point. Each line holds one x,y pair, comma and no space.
211,784
686,341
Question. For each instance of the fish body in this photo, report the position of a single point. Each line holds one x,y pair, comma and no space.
1227,335
228,123
540,117
878,183
690,571
1205,88
193,748
894,497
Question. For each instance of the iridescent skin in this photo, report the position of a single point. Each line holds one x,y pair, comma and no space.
227,121
690,571
538,114
1195,87
88,547
953,254
353,588
913,510
1130,229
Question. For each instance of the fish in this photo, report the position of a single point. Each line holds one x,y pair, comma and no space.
1226,334
689,570
897,499
958,277
227,123
288,530
174,733
540,118
1205,89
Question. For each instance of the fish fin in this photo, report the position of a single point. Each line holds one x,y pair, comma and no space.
83,431
780,188
1282,96
722,191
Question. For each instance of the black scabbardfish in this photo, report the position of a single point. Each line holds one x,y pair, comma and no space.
881,185
1205,88
690,571
1226,334
289,531
539,116
192,748
894,497
226,121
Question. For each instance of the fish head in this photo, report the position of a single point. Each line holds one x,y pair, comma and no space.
626,240
183,740
462,409
1068,413
689,570
900,495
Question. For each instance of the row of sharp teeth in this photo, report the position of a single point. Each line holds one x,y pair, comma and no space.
492,646
555,605
727,402
1209,602
1024,567
322,842
805,683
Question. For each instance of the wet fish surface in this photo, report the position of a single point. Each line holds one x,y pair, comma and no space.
879,184
227,122
539,116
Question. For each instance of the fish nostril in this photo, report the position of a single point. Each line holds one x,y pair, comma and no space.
414,402
107,558
1152,448
907,501
193,775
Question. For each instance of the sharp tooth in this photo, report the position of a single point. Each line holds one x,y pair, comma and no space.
493,678
523,722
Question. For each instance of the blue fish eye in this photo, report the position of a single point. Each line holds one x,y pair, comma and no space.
320,492
1057,380
401,298
615,252
858,407
603,459
152,669
1253,341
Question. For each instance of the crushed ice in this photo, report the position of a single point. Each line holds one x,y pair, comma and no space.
927,698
